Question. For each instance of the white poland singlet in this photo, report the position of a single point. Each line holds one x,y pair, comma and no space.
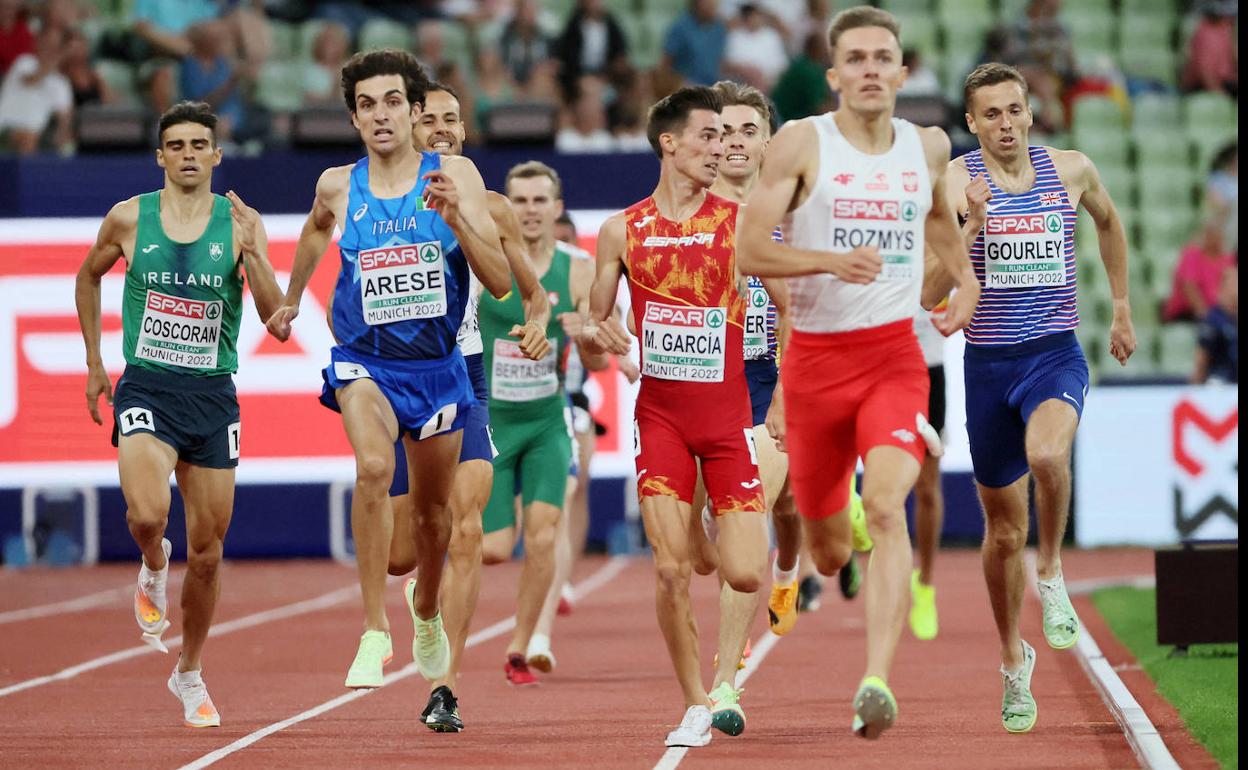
862,200
469,336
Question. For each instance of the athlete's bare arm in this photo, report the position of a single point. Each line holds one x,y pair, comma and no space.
457,193
253,247
786,179
532,334
329,207
114,241
1083,185
602,332
580,283
941,235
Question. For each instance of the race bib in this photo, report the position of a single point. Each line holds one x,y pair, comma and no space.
893,227
681,342
756,320
515,377
179,331
402,283
1022,250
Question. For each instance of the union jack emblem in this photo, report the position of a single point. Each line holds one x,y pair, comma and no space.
1050,199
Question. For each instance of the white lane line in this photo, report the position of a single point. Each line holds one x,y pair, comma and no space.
600,577
1080,587
220,629
672,757
90,601
1140,731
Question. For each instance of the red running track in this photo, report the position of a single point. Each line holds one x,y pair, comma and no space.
608,704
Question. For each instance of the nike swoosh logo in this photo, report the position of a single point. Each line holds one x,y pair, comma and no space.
1071,398
150,249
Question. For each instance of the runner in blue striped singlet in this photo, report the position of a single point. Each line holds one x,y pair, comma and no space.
1026,377
412,224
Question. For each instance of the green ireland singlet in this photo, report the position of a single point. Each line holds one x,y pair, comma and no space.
182,301
518,386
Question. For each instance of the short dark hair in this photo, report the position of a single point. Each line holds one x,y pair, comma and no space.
187,112
861,16
438,85
670,113
387,61
735,94
532,169
990,74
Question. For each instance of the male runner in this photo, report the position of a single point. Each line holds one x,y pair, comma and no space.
861,207
1026,377
929,499
412,225
441,130
677,249
528,406
175,409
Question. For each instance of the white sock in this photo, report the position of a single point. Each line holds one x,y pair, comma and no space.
785,577
189,677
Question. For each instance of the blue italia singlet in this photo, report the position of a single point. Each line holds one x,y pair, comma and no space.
404,280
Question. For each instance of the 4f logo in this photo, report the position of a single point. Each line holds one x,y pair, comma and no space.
843,179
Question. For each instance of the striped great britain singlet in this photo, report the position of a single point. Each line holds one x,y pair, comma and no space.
1024,258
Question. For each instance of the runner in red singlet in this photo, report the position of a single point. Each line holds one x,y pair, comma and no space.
677,248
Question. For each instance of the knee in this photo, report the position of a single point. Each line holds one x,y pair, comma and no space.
401,567
831,557
146,521
466,536
496,548
927,497
540,540
673,576
1006,536
743,580
886,515
374,471
203,561
1048,463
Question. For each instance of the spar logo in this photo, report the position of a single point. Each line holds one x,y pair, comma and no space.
1206,456
758,298
395,256
186,308
430,253
684,316
214,311
909,211
1024,224
859,208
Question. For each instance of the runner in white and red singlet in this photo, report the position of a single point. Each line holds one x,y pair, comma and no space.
862,207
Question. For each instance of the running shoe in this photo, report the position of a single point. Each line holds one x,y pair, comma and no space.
151,605
850,578
875,709
1061,624
197,708
727,716
441,713
566,600
858,521
694,729
808,591
1018,708
710,526
430,648
935,447
374,653
782,608
517,670
539,655
922,609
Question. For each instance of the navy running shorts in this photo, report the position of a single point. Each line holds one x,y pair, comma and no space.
1004,385
197,416
761,374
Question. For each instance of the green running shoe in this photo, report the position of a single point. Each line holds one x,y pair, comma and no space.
850,578
858,520
727,716
875,708
431,649
922,609
374,653
1018,708
1061,624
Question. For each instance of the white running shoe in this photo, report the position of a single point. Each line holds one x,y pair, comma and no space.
539,655
935,447
430,649
151,604
710,527
694,729
197,708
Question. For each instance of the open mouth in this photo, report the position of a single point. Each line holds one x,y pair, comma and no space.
383,133
737,157
441,145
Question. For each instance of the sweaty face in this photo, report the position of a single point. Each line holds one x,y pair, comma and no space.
187,154
699,147
439,129
533,199
745,139
866,70
382,114
1000,116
